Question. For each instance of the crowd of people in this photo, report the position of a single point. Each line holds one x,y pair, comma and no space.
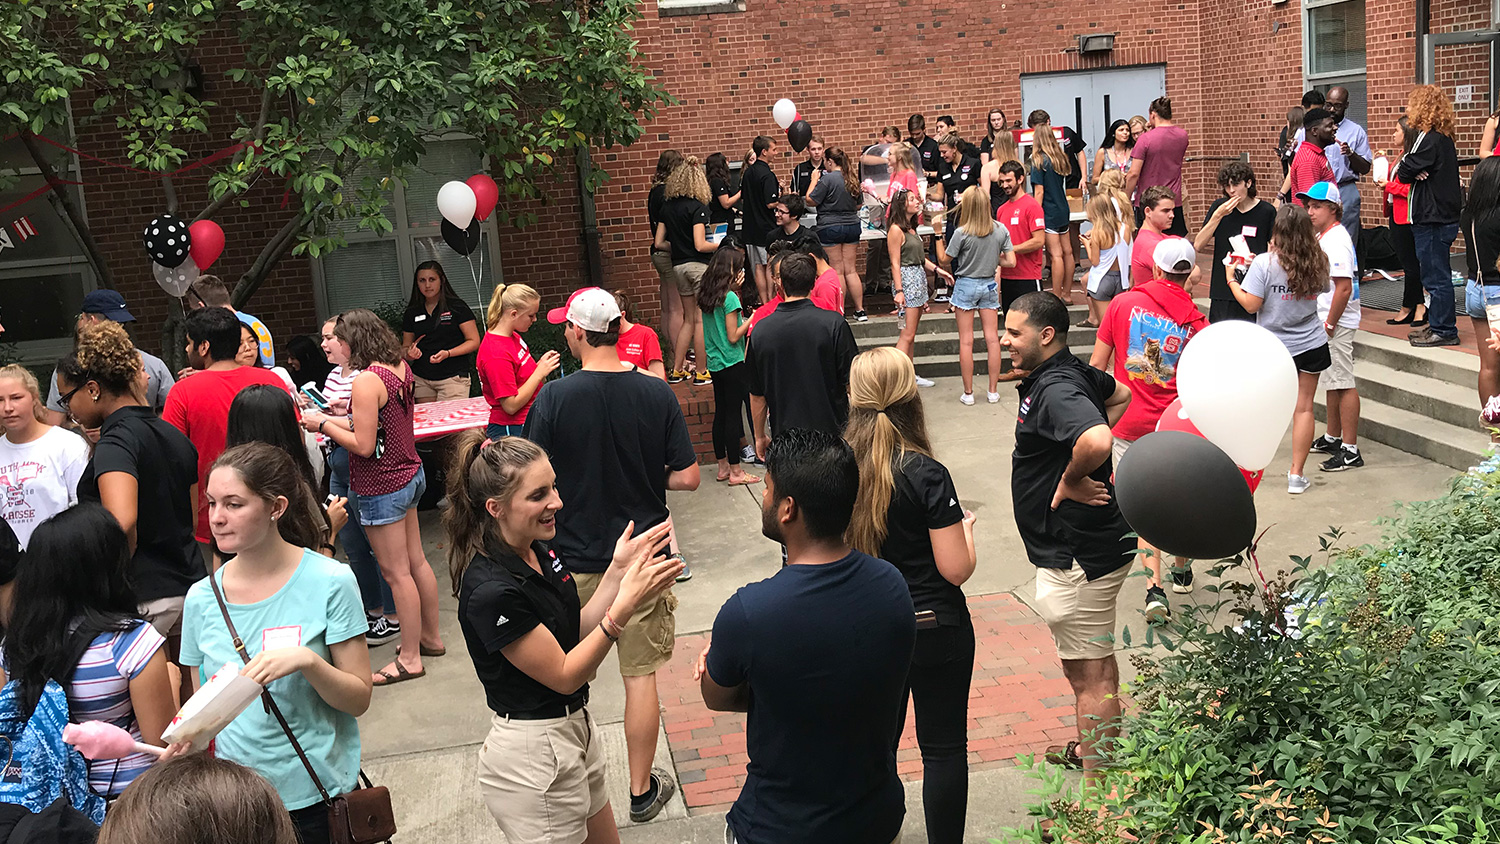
160,525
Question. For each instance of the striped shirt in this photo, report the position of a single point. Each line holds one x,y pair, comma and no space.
338,387
100,691
1308,168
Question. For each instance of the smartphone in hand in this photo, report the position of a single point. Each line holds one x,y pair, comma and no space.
315,396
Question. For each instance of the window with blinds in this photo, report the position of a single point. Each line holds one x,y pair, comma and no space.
1334,50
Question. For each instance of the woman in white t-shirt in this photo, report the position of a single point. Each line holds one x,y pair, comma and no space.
1108,244
40,464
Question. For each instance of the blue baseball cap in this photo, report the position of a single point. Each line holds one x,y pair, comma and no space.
106,303
1323,192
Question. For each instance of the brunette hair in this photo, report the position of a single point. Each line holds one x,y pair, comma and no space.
265,414
665,164
29,383
716,166
688,181
417,304
508,297
479,471
271,473
1154,195
1109,137
898,215
1162,107
1238,171
886,424
840,160
211,291
718,279
312,361
198,798
1298,251
370,339
989,126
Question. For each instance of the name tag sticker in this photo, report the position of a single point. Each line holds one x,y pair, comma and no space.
1248,231
419,317
281,637
1016,220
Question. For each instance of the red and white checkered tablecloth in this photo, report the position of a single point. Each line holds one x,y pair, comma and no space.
441,418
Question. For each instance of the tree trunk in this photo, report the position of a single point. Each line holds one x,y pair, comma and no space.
277,248
70,210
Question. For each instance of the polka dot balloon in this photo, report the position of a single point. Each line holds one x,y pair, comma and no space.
166,239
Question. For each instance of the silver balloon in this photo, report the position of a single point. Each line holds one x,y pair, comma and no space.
176,280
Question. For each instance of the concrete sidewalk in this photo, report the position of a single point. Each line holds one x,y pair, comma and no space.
421,738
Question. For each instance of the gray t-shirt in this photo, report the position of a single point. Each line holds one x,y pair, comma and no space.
1294,321
835,206
977,257
159,381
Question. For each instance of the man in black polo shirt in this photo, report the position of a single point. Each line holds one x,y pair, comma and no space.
924,146
802,174
1065,510
799,360
759,192
618,442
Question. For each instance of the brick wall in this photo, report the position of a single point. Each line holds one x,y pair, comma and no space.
698,409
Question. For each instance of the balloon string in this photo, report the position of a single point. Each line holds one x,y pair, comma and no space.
1265,585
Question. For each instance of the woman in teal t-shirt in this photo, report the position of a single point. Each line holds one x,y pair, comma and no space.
724,330
302,623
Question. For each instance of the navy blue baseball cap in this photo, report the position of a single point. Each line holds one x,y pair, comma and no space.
106,303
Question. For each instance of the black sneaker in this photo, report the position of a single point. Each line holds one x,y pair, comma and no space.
1345,459
1327,444
382,630
860,316
647,806
1157,610
1182,581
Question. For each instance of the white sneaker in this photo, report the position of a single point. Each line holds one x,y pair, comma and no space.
923,382
1296,484
994,398
966,398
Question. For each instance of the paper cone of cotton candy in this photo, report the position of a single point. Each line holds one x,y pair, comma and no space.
212,707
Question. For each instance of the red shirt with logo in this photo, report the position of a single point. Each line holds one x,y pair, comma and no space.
639,345
1148,326
504,364
1022,217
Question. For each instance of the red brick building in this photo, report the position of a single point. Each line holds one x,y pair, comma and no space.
1231,67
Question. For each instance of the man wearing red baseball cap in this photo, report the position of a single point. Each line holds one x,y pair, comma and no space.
618,442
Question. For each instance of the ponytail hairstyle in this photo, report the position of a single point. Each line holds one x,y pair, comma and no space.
840,160
30,385
886,423
719,278
974,218
103,354
688,180
900,155
1045,148
509,297
480,471
271,473
1298,251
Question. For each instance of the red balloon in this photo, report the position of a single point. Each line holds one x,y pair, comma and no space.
798,117
206,243
486,194
1174,418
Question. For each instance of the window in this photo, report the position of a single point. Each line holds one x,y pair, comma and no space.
669,8
373,269
43,269
1333,44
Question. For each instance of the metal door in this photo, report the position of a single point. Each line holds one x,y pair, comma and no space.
1090,100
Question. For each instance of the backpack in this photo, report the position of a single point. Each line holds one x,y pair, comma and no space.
39,766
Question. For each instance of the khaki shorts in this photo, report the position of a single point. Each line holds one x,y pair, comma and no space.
688,276
446,389
662,263
165,614
543,780
1079,612
646,643
1118,448
1340,373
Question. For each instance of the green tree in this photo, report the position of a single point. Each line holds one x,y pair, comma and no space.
350,94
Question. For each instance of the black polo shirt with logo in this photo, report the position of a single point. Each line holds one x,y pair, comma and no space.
501,599
927,151
1060,399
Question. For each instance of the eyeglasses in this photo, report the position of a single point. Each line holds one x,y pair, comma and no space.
68,396
782,212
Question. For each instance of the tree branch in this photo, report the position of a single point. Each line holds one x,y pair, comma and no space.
277,248
70,210
259,135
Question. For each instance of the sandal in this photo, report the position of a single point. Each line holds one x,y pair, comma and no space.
401,675
1065,755
426,651
745,480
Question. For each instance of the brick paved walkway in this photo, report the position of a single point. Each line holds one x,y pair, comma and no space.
1018,703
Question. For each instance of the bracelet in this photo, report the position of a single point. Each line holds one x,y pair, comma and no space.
329,546
619,629
607,634
898,293
320,427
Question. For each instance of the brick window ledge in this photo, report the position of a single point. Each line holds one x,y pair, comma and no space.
706,7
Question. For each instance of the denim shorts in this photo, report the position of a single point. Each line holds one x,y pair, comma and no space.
830,235
377,510
1476,296
971,294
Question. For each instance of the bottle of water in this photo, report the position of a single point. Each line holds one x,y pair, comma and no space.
901,319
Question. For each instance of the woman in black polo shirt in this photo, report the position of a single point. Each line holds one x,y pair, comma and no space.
907,513
541,769
440,336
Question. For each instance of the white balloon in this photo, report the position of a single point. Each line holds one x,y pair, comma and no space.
456,202
176,280
1239,386
784,112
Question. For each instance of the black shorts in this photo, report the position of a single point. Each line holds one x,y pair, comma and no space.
1012,289
1313,361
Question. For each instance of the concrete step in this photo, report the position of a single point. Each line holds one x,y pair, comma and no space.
1440,400
1451,445
947,343
885,326
1442,364
940,366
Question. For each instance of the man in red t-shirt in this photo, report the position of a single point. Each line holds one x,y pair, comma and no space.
198,405
1022,217
1310,164
1143,334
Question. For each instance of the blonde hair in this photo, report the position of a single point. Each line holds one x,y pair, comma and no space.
974,213
198,798
479,471
508,297
1113,181
1428,109
1138,120
1044,147
1105,216
689,180
29,382
1006,148
886,423
900,154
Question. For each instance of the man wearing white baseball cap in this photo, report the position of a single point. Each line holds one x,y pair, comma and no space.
618,441
1338,308
1143,333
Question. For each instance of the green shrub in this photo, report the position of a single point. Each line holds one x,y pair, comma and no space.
1351,703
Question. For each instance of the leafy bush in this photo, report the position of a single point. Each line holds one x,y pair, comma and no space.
1352,703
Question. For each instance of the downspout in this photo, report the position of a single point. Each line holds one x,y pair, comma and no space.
593,258
1424,28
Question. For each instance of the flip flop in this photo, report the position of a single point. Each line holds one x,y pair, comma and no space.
401,676
721,480
746,481
426,651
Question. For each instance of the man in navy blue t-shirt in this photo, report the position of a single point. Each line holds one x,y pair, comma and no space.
817,655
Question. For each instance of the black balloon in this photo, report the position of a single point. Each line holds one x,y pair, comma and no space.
460,240
799,135
1185,496
166,239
